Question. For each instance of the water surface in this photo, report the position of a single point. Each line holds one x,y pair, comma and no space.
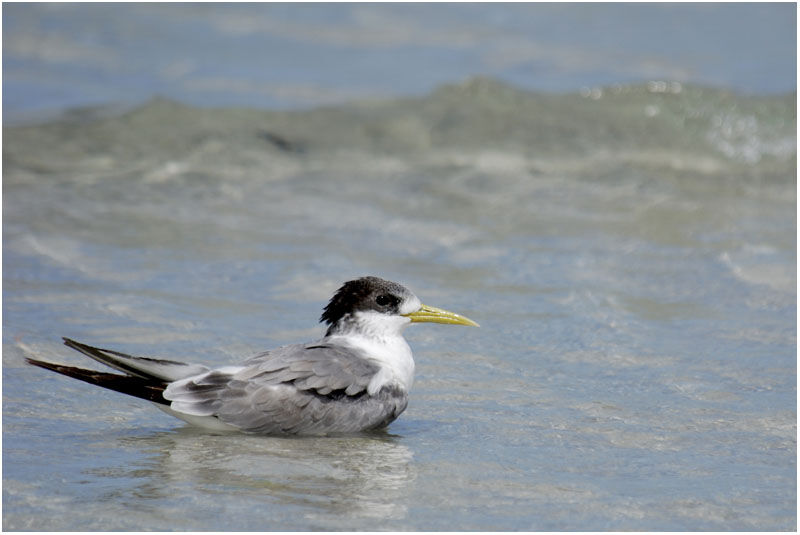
629,254
300,55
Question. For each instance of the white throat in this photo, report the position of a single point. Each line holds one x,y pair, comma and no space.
380,338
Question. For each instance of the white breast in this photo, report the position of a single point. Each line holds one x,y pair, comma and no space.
379,338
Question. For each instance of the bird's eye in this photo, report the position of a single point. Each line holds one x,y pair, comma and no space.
384,300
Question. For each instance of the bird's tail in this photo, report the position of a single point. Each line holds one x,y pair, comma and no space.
140,387
147,368
144,378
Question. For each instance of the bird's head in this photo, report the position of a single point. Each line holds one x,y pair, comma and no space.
381,305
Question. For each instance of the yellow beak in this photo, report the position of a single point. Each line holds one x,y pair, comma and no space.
438,315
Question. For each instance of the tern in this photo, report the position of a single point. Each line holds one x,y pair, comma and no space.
355,378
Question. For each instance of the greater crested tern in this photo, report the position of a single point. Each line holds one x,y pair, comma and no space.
355,378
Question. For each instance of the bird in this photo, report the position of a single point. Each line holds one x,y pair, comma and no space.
355,378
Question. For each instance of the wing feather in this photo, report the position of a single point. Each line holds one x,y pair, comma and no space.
146,368
307,389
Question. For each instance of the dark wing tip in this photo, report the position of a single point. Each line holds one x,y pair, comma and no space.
41,363
139,387
69,342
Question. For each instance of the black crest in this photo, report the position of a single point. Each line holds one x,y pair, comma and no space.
366,293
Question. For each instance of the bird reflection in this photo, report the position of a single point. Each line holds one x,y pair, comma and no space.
333,480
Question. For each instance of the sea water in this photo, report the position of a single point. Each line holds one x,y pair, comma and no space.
629,253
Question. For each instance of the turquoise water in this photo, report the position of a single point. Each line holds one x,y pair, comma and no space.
629,250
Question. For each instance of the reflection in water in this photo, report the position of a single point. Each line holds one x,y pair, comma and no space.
343,478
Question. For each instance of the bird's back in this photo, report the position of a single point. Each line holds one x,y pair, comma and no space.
318,388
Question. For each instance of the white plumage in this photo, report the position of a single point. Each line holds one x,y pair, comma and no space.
355,378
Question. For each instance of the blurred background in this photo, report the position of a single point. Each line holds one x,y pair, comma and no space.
608,189
289,56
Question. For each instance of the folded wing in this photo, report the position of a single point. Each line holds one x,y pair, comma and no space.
144,378
147,368
297,389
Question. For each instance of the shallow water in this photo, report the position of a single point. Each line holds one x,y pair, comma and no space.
629,254
275,55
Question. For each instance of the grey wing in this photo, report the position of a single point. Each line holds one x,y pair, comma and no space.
298,389
147,368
